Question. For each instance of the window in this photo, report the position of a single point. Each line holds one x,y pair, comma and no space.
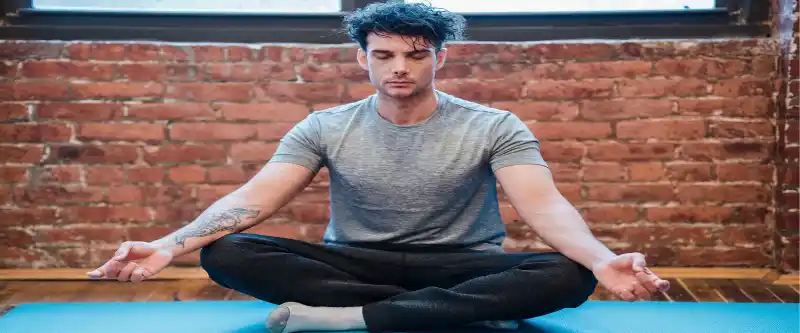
319,21
200,6
467,6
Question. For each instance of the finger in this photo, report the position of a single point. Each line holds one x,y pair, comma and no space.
663,285
138,274
113,267
123,250
626,295
639,264
125,273
641,292
648,281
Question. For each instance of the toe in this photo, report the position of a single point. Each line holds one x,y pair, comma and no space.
277,319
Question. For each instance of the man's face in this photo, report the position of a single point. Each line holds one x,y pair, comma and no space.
400,66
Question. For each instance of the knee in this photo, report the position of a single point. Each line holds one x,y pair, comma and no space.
573,280
220,254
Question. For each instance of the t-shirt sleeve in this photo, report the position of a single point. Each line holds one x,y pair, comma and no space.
513,144
302,145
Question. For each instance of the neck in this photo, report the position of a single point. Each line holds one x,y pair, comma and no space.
409,110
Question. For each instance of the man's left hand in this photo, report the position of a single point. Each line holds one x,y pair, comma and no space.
628,277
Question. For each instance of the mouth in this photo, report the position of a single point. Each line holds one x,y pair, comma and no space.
399,82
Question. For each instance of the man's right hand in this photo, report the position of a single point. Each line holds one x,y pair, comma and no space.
134,261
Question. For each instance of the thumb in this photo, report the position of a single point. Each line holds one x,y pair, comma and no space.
639,264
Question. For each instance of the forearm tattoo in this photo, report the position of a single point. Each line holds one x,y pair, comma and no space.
217,221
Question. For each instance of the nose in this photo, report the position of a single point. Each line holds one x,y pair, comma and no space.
400,67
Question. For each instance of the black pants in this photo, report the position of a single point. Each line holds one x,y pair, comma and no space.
400,289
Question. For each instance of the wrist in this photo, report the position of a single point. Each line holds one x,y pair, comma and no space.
601,260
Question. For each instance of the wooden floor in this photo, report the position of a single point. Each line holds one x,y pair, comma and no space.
706,286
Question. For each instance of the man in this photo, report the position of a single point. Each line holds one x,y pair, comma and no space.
414,240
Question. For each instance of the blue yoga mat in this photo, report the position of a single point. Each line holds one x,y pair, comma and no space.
248,317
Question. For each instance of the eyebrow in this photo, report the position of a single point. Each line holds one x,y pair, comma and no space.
408,53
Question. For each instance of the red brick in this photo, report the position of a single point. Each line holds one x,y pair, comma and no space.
105,153
581,70
34,90
689,172
790,177
700,68
9,70
104,174
17,257
56,174
630,192
143,72
13,112
178,153
168,194
638,88
481,90
752,215
744,106
506,71
273,131
147,234
16,238
79,111
80,234
743,87
616,151
306,212
661,129
252,151
312,72
565,172
603,172
208,194
143,52
226,175
171,111
58,194
354,92
212,131
685,214
789,199
564,151
187,174
534,110
102,214
744,172
207,92
35,133
568,89
741,129
788,222
461,71
145,174
27,216
738,256
570,130
722,193
68,70
570,51
21,154
122,132
278,112
792,132
13,174
625,109
117,90
271,53
615,214
124,194
707,151
97,51
763,65
20,50
646,171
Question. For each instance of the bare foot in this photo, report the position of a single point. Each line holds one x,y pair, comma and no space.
293,317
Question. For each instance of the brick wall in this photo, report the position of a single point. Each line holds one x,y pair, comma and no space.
788,113
665,147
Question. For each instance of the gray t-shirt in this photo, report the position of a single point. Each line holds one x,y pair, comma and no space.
430,183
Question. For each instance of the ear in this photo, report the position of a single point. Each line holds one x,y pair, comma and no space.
441,56
361,57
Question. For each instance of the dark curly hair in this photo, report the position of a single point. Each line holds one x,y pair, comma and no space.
434,25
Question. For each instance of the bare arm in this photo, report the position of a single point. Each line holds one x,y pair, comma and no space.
532,192
269,190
